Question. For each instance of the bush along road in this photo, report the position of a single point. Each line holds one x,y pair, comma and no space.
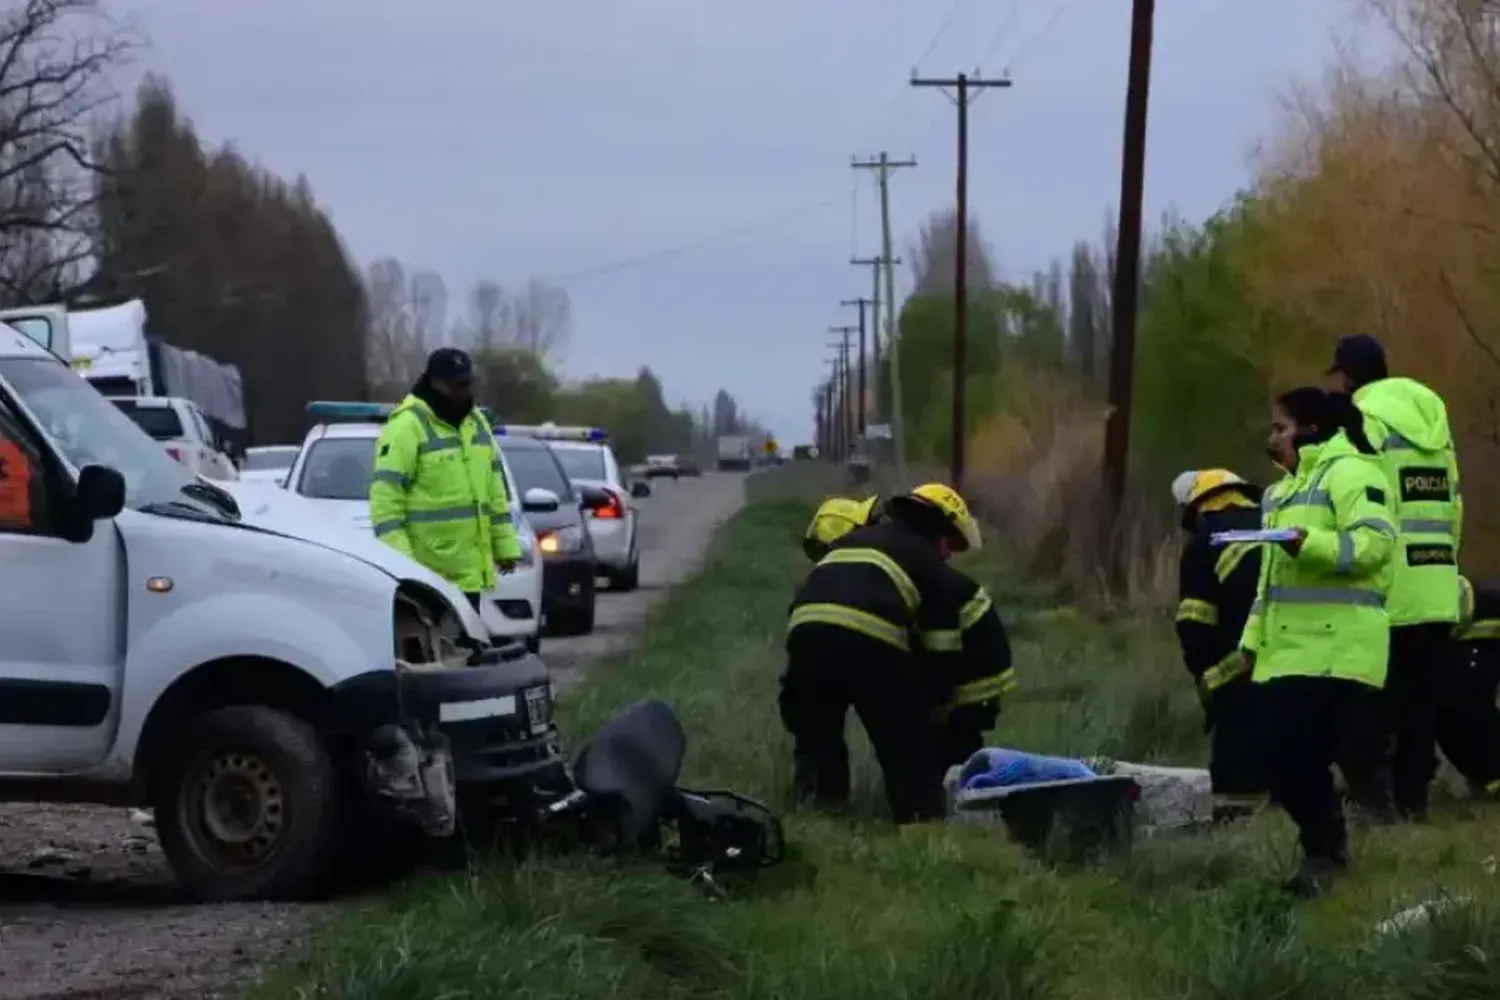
107,925
950,912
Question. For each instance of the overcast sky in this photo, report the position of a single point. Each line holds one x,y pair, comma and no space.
584,140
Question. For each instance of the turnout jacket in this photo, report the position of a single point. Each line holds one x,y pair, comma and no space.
1216,587
982,672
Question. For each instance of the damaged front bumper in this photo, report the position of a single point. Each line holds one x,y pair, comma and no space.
429,738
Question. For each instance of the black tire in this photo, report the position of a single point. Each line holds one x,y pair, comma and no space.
298,790
627,579
572,621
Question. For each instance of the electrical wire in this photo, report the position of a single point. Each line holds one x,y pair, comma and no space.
999,35
1031,43
938,37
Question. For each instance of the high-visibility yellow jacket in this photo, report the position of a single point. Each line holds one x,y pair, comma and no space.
1321,613
1408,424
438,496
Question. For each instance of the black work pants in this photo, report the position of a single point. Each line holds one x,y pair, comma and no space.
1419,657
830,670
1468,720
1313,723
1236,763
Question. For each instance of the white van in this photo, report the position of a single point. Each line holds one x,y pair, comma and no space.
281,705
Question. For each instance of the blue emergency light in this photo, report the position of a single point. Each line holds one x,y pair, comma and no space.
329,410
552,432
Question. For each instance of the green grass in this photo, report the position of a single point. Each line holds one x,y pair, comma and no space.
952,913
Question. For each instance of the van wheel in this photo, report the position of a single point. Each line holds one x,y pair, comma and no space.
249,806
627,579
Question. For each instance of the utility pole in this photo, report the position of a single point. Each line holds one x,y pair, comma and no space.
846,418
963,85
875,264
861,363
883,165
820,404
1127,268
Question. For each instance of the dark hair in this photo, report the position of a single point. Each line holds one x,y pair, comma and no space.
1320,415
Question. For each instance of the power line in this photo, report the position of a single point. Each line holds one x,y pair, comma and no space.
995,39
1027,47
942,30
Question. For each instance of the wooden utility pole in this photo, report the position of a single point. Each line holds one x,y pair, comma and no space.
883,165
846,419
861,303
876,264
964,87
1127,267
820,403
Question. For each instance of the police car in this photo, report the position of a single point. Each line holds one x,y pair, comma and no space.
333,470
589,461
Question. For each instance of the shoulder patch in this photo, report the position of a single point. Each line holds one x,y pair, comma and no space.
385,450
1375,494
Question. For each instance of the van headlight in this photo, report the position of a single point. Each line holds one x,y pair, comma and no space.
569,539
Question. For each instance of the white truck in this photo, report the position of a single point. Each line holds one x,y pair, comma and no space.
291,711
111,348
735,453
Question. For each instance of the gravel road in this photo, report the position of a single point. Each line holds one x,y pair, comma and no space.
86,903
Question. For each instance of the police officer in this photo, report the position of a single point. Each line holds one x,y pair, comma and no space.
1216,586
980,675
437,494
1318,636
875,627
1468,729
1408,425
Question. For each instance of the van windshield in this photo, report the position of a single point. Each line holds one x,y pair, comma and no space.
88,430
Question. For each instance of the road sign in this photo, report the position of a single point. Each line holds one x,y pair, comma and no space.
771,448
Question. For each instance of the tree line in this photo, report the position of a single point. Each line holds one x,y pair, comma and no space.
99,205
1375,208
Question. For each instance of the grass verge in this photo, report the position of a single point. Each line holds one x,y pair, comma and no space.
950,913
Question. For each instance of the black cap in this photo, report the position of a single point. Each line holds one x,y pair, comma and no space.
449,364
1359,356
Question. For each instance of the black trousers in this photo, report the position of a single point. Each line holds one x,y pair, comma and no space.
1237,761
1313,723
1468,720
1419,659
830,670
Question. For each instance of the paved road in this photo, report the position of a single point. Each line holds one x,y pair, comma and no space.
115,933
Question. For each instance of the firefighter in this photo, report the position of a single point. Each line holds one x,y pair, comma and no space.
1408,425
1216,586
980,675
1317,636
1468,729
437,494
875,627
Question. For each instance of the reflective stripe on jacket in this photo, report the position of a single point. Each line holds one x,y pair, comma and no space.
885,582
438,495
1216,587
1408,424
1322,612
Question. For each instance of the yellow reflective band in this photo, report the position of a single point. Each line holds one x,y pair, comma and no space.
943,640
985,688
874,557
974,609
1230,559
852,619
1225,670
1480,631
1194,610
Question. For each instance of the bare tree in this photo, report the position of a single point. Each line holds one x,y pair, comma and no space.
538,319
486,320
55,57
395,355
935,256
428,296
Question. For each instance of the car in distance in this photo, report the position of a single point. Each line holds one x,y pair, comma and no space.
613,526
662,466
268,463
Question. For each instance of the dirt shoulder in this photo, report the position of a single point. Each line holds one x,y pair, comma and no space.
86,902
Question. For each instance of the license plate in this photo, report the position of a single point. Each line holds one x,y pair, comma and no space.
538,709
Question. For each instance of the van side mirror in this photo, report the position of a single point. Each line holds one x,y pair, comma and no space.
100,494
539,501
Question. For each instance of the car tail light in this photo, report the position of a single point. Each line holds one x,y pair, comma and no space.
176,453
612,511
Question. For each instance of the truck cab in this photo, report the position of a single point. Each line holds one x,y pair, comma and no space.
283,706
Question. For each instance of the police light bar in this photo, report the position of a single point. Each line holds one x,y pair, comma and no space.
328,411
552,432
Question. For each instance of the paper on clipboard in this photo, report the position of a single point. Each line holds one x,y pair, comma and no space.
1260,536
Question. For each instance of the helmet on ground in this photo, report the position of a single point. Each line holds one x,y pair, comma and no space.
963,530
1193,487
833,520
